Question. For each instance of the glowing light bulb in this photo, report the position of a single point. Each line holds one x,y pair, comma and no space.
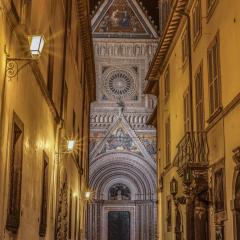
70,145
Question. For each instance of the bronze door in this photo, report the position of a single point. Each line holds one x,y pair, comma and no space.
119,225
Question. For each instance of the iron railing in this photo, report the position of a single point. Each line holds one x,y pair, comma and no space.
192,149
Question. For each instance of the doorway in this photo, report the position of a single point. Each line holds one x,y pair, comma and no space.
119,225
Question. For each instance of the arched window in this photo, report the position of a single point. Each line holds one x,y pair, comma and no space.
119,192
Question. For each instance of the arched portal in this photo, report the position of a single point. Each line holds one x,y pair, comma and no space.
125,186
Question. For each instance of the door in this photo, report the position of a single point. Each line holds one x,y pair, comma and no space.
119,225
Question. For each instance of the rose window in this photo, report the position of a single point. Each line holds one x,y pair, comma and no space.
119,84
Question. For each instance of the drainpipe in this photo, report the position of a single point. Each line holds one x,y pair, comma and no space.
190,201
60,125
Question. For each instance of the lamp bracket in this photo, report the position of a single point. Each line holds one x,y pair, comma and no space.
13,67
236,155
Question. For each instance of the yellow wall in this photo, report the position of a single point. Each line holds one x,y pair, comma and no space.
44,130
223,133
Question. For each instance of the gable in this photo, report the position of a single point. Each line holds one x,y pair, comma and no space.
122,19
120,138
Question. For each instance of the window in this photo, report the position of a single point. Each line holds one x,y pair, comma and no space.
199,99
185,47
167,83
197,21
22,10
69,12
15,176
168,142
214,76
211,4
187,118
43,215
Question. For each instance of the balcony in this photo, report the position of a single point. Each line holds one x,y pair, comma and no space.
192,151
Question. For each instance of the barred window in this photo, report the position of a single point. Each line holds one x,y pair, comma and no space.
214,76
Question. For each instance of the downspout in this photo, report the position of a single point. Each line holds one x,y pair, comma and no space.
190,202
60,126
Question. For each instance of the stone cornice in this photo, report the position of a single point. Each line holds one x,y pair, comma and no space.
86,38
166,40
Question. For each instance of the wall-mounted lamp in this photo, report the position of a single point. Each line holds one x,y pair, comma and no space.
87,195
174,192
173,187
187,175
36,45
70,145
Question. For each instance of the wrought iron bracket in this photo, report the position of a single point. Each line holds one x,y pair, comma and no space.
15,65
236,155
180,200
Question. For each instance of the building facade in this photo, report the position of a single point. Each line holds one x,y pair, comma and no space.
44,104
122,146
195,75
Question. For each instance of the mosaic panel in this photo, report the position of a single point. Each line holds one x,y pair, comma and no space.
120,18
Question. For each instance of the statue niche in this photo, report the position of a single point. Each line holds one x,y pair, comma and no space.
119,192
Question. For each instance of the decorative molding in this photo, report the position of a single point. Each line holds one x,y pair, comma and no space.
121,122
225,111
122,19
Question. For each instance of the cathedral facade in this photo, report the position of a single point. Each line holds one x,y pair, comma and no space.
122,146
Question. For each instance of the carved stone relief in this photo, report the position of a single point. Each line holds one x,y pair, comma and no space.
62,208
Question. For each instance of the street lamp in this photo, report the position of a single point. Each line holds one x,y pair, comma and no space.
174,187
36,43
70,145
88,195
187,175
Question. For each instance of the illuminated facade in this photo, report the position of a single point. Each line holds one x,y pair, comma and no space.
44,103
195,75
122,146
